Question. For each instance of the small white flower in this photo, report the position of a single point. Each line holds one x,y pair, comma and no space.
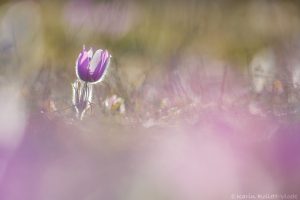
262,69
115,103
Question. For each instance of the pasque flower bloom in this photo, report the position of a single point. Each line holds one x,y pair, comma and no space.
92,67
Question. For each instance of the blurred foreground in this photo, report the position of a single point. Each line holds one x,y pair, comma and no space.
201,101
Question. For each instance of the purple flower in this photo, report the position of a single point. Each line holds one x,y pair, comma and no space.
92,67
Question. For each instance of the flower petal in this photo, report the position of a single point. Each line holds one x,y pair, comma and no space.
82,66
90,53
99,64
95,60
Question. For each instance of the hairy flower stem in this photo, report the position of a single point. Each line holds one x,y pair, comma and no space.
82,97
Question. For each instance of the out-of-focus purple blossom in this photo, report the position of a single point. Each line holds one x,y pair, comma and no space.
92,67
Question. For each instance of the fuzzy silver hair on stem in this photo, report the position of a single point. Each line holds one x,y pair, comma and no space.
82,97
